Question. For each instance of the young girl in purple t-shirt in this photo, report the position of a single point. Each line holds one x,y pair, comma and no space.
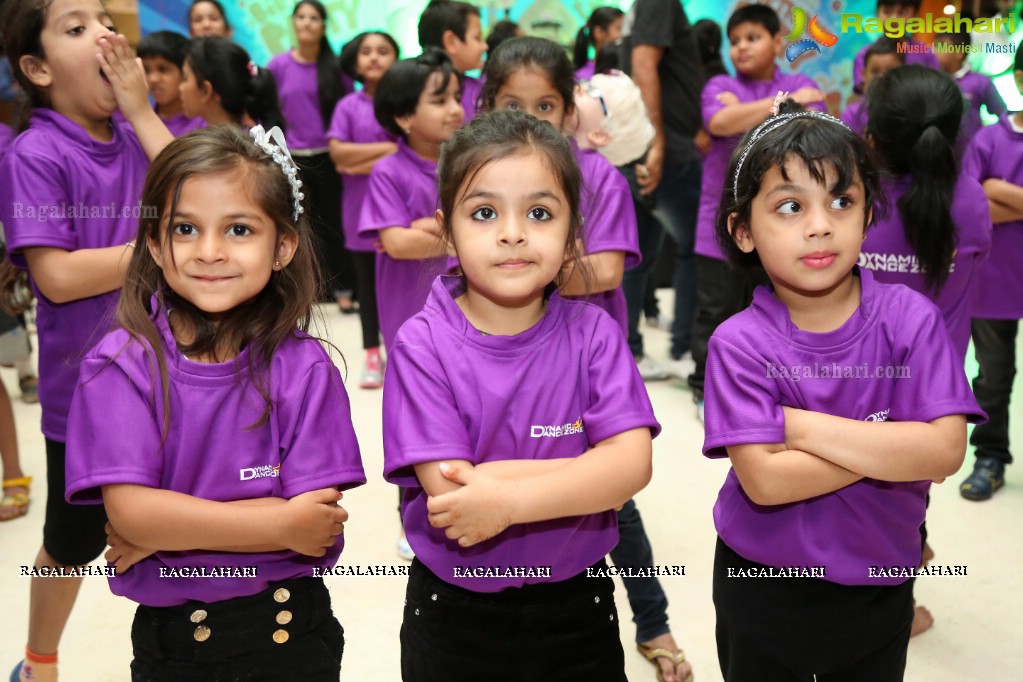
69,192
838,399
517,422
357,142
241,431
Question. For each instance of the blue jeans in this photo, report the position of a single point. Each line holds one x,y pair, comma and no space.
647,599
673,207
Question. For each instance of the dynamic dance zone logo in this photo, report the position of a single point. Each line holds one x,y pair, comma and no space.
798,46
557,431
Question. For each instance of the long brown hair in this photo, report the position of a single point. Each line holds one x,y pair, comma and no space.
262,324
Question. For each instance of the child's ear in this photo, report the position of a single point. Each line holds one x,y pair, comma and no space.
404,122
740,234
449,243
1018,74
779,44
598,138
449,41
36,70
156,251
286,247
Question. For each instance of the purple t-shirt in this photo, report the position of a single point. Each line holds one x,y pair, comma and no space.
855,116
978,90
60,188
893,261
918,53
210,450
585,72
7,136
353,121
759,361
997,152
609,223
402,188
555,390
182,125
298,92
471,89
715,165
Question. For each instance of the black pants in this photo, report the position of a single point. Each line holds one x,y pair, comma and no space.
72,533
243,639
555,632
721,291
322,188
365,263
994,342
793,629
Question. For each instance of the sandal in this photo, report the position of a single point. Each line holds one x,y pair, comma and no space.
17,501
652,655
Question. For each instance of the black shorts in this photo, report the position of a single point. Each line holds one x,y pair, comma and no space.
555,632
72,533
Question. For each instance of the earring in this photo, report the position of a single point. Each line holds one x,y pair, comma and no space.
277,265
407,130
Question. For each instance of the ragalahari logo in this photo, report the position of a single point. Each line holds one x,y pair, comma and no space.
818,36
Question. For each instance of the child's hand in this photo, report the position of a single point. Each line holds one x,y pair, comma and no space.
477,511
429,224
703,142
727,98
122,553
125,73
311,522
807,95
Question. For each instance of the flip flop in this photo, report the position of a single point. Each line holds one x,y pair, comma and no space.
652,654
18,501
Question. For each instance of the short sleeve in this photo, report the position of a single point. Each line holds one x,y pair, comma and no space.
386,204
317,440
618,401
422,422
977,159
992,99
100,450
609,217
709,104
340,127
653,24
742,404
32,186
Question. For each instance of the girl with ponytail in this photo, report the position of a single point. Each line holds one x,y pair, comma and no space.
604,26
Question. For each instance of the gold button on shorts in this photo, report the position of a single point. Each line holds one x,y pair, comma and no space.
284,617
197,616
202,633
282,595
281,636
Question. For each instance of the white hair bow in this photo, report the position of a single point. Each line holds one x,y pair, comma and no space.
273,143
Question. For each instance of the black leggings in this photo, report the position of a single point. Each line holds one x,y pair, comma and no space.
322,187
72,533
365,272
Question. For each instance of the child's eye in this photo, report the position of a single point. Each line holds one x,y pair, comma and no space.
484,213
789,207
545,107
512,105
841,202
239,230
539,213
185,229
77,30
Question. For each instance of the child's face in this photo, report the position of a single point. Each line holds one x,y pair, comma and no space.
308,25
602,37
164,80
194,100
225,246
753,50
70,73
590,117
437,116
467,55
510,230
808,238
530,90
950,61
206,20
375,56
877,66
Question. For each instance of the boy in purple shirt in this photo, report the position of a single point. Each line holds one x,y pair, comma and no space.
731,106
455,28
995,159
978,89
881,57
916,52
163,55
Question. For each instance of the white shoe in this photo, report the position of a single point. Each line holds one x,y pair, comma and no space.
404,550
682,367
650,370
659,322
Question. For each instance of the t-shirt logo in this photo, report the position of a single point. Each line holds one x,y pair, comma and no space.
259,472
556,431
798,46
881,416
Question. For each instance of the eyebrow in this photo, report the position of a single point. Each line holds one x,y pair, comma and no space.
483,194
233,216
81,13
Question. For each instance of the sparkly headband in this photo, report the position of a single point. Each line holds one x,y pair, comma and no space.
272,142
773,123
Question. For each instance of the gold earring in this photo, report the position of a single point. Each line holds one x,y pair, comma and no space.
277,265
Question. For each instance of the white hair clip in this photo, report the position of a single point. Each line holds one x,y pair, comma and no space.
272,142
778,99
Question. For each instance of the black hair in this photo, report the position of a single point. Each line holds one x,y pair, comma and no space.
957,38
349,59
399,90
913,117
244,88
528,52
609,57
762,15
444,15
885,46
821,144
328,73
215,3
29,18
169,45
602,18
1018,66
708,42
502,31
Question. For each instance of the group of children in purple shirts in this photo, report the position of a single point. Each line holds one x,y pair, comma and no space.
498,249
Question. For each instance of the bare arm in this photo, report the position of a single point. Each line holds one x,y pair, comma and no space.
735,119
888,451
606,270
356,158
411,244
770,474
1004,192
65,276
645,59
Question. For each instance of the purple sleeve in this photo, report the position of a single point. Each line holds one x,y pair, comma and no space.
609,215
422,422
340,123
992,99
977,159
31,185
709,103
742,404
318,444
858,69
618,401
276,66
385,204
113,391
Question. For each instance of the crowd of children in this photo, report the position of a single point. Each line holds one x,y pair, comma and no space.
481,227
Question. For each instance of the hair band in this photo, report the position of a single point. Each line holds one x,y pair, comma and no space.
253,69
272,142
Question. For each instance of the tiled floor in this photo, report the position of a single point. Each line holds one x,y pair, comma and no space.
978,627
